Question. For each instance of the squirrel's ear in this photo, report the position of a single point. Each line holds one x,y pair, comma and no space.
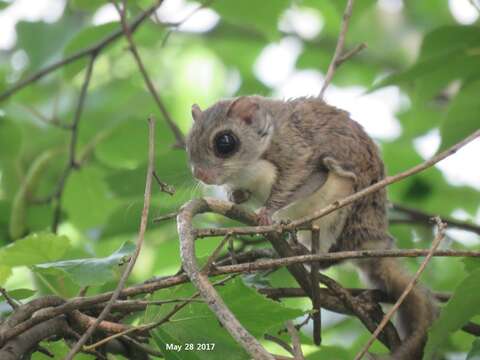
196,112
244,108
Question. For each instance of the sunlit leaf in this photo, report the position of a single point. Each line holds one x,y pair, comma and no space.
5,272
34,249
18,294
87,198
91,271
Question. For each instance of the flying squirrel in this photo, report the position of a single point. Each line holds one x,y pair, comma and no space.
295,157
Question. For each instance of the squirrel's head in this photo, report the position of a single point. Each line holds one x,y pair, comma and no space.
227,138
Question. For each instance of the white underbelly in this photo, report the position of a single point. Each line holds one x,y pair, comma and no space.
335,188
258,179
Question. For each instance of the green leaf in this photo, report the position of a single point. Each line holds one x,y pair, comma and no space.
126,147
91,271
474,353
463,116
190,323
89,5
329,352
34,249
85,38
461,307
42,41
10,138
18,219
471,264
261,16
4,4
87,199
447,53
5,272
19,294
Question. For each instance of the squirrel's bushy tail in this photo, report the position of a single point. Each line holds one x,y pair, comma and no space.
417,311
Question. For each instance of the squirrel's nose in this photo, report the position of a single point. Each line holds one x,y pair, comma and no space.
203,175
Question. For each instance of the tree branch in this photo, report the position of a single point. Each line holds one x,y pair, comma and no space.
425,217
337,56
148,81
207,291
72,162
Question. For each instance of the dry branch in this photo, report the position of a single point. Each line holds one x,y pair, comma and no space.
206,289
26,342
17,324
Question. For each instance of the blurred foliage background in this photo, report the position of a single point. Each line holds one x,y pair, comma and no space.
421,68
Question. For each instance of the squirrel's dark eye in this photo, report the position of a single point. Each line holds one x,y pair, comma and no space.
225,144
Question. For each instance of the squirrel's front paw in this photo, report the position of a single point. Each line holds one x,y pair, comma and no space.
264,217
239,196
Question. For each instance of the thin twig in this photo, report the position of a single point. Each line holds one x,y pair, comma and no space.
317,313
350,54
279,342
143,347
164,319
48,121
297,346
425,217
168,216
72,164
180,139
175,26
11,301
339,48
141,235
266,264
53,310
164,187
475,4
213,256
436,242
